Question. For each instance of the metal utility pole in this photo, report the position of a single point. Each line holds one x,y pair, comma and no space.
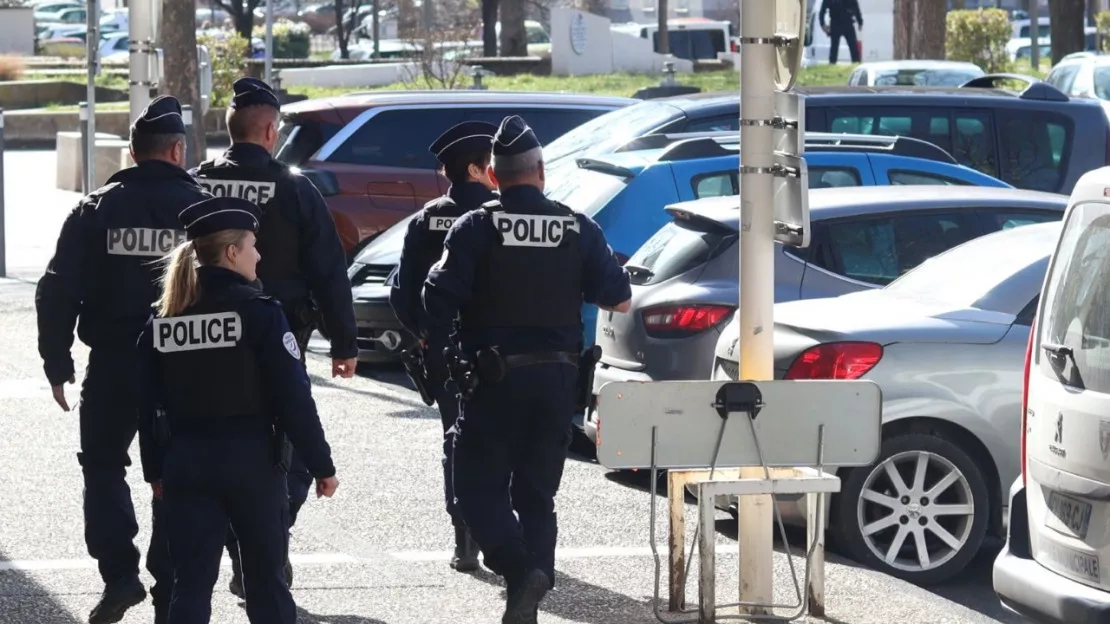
664,46
270,42
144,68
1035,33
376,25
92,57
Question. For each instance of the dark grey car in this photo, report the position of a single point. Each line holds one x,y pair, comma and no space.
686,278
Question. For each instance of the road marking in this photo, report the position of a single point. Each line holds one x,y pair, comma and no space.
325,559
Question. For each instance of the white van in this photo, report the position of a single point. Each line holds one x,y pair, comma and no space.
876,38
693,38
1059,531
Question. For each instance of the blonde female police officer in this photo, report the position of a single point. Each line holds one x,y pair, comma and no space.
516,273
464,153
221,369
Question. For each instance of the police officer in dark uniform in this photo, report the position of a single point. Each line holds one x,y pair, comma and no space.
221,368
303,263
464,153
517,272
102,279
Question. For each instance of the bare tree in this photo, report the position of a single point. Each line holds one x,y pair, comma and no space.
179,45
489,28
903,29
514,38
439,49
241,12
1066,28
343,30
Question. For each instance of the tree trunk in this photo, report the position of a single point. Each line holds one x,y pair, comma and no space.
179,45
958,5
597,7
244,21
489,28
929,29
903,30
514,40
342,34
1066,28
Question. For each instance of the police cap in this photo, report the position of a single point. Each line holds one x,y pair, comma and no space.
161,116
219,213
253,92
465,138
514,137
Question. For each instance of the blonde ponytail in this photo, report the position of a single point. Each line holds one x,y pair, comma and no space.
179,281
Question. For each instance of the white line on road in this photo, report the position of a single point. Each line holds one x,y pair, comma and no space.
324,559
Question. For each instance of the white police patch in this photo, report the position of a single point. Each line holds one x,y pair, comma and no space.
290,342
257,192
440,224
534,230
198,331
150,242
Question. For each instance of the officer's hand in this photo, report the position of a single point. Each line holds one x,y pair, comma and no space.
156,488
344,368
826,29
326,487
59,392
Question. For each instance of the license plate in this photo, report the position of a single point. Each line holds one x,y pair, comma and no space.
1076,564
1067,515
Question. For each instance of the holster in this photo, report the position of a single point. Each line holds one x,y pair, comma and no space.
302,315
283,451
586,366
413,361
462,371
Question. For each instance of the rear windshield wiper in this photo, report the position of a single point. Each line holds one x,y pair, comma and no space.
601,166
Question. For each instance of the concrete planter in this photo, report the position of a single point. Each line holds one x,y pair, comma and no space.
21,94
41,127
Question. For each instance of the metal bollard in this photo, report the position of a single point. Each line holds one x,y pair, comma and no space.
83,122
190,144
3,250
477,72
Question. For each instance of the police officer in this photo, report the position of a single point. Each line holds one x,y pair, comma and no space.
464,153
302,258
221,368
102,279
517,272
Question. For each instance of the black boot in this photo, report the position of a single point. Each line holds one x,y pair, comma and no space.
522,605
288,573
466,551
116,600
236,584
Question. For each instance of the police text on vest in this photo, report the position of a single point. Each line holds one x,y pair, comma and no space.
143,241
257,192
199,331
534,230
440,224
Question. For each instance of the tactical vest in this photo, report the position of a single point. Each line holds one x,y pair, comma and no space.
133,231
273,189
211,379
532,275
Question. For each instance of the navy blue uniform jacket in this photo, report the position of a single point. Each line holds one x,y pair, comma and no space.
418,255
74,277
288,396
450,283
841,13
324,262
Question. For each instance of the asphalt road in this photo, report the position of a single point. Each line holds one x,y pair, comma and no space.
376,553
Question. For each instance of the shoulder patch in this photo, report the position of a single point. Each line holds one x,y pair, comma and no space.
290,342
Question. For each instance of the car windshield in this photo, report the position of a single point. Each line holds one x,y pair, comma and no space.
605,133
386,248
980,264
583,190
925,77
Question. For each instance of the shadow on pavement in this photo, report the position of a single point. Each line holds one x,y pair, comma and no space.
304,617
974,587
579,601
321,382
23,600
389,374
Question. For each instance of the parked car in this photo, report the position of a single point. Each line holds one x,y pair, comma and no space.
368,152
685,280
626,192
945,344
914,73
1050,570
1083,74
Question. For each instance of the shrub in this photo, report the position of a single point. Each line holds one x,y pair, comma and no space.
979,37
11,67
1102,22
291,39
229,63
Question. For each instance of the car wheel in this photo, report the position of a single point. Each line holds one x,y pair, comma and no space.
919,514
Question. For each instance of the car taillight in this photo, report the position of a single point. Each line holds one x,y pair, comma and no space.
836,360
676,321
733,47
1025,396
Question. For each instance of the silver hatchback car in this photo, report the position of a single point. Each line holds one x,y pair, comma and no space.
686,278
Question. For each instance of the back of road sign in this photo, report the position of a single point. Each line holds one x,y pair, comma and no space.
790,21
788,425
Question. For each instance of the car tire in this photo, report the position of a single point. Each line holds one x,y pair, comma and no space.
872,512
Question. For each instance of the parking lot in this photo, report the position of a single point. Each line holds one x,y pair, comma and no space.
377,553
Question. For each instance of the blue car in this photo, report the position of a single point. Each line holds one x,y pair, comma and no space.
626,191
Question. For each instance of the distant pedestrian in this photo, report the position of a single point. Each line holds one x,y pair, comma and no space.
841,16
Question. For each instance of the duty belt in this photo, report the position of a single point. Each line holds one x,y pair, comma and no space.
541,357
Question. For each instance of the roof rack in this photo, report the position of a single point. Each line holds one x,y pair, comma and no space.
709,144
1036,89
